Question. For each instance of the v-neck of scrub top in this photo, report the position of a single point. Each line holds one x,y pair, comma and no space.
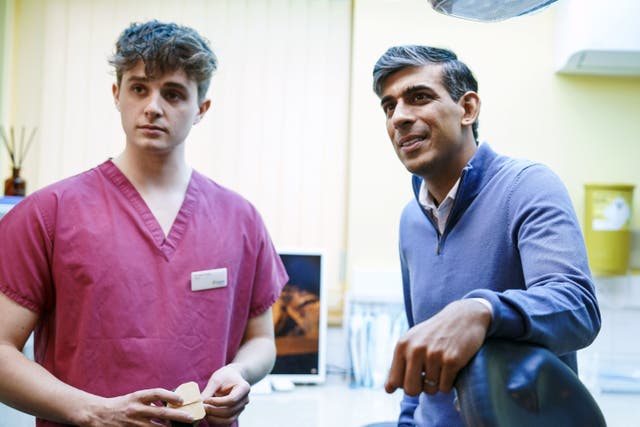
166,244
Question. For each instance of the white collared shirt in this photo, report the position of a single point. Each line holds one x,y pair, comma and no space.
441,212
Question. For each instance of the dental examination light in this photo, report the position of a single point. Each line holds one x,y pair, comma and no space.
488,10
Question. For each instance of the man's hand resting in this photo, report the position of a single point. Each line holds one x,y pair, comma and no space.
428,357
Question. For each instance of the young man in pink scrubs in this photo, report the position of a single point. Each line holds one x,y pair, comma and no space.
140,274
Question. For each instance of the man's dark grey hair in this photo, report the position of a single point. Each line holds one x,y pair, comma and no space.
165,47
457,78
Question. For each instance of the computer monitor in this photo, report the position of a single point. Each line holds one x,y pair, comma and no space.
300,319
8,202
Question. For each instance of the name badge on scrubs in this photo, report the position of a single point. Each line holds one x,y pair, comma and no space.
208,279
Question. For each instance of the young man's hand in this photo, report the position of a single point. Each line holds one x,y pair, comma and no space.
226,395
141,408
431,353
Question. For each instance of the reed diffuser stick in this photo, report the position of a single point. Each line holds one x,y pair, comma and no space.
17,150
19,159
13,142
7,144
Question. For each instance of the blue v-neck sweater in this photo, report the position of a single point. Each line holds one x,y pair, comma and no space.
512,238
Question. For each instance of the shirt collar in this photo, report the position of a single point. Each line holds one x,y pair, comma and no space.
428,202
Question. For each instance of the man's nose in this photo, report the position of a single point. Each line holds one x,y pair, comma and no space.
153,109
402,115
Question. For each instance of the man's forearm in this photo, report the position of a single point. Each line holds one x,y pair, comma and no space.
28,387
256,358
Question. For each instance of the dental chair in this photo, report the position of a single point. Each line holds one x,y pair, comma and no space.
513,384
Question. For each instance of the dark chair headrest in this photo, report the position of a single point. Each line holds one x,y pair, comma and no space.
510,383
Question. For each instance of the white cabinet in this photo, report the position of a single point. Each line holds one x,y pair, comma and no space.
598,37
610,367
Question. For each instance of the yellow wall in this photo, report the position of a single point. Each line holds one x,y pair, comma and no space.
6,13
586,128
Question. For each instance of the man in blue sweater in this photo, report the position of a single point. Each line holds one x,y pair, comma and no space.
490,247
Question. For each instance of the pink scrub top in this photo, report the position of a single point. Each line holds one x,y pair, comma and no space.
115,300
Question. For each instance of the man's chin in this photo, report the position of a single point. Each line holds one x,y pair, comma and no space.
155,145
420,169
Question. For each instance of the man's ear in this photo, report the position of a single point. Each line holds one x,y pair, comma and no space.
202,109
116,92
470,101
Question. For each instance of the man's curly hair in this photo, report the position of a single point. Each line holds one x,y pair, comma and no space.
165,47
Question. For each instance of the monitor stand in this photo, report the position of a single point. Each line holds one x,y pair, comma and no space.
269,384
282,384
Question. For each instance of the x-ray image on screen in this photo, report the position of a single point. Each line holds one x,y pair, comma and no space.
299,321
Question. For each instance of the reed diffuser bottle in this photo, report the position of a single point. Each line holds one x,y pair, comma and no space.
15,185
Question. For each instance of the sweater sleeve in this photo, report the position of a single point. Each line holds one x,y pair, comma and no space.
408,406
558,308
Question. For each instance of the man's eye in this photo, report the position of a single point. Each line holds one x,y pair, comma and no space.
421,97
173,96
388,109
137,89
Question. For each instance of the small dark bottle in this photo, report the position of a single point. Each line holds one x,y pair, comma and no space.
15,185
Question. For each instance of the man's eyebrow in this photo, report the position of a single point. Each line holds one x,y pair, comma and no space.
417,88
145,79
138,78
175,85
408,91
386,99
